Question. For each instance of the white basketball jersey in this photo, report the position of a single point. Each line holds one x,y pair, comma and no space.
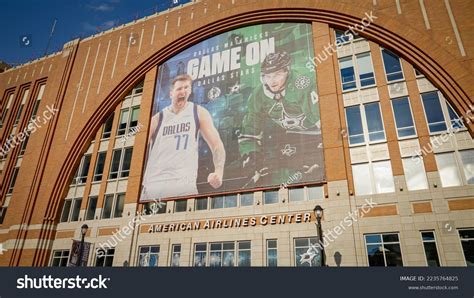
172,164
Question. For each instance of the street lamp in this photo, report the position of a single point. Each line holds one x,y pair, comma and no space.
81,247
318,212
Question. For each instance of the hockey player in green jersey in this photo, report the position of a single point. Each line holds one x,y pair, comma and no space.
280,133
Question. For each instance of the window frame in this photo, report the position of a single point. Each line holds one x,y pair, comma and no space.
402,71
373,181
12,181
383,245
271,191
128,128
3,213
308,245
60,258
365,127
73,203
444,103
457,166
149,247
113,209
268,249
120,172
461,240
412,118
236,250
106,123
435,241
354,58
176,249
106,255
88,208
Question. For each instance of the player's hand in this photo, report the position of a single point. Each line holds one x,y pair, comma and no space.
215,180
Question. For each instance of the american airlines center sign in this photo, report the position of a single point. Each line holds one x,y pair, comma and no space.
210,224
236,112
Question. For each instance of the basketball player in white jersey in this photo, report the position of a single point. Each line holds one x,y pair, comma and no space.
172,165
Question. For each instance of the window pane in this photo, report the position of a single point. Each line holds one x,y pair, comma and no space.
270,197
362,181
13,180
393,255
272,253
201,204
180,206
200,259
123,122
403,117
383,177
246,199
217,202
66,210
230,201
354,125
115,164
347,73
126,162
393,68
176,255
374,122
431,253
307,253
415,175
18,115
35,108
228,259
76,209
82,178
91,208
448,170
134,118
390,238
456,121
375,254
373,238
23,145
119,205
366,72
315,193
467,242
107,211
433,112
244,258
467,158
3,213
99,166
341,37
296,194
108,127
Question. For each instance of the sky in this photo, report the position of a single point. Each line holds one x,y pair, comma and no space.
26,25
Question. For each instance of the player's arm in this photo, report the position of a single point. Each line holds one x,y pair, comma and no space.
153,128
213,140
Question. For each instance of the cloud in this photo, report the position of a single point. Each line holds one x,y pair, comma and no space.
98,27
101,7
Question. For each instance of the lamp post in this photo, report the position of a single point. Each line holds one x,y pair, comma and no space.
318,212
81,247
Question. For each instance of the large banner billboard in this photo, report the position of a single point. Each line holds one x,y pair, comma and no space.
236,112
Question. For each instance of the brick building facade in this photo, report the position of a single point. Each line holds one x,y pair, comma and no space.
80,94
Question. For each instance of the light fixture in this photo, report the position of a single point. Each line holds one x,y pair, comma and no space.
84,229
